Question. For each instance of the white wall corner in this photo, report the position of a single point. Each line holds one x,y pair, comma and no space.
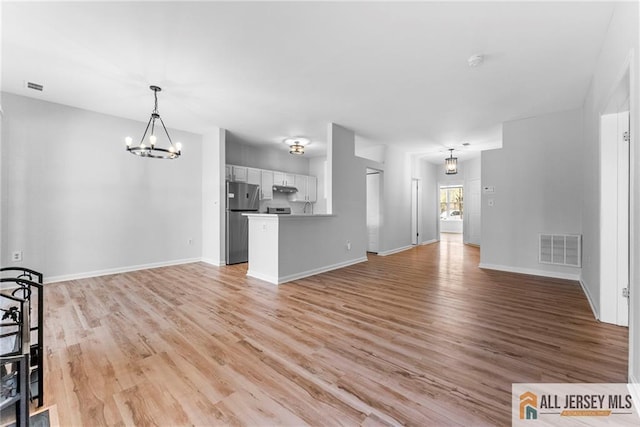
634,389
215,263
394,251
428,242
585,289
264,277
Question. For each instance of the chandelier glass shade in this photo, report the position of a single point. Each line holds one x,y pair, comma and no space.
149,147
297,144
296,149
451,164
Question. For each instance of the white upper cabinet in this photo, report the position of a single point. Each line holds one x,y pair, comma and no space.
300,182
278,178
239,173
312,189
266,185
253,176
266,179
307,189
289,179
281,178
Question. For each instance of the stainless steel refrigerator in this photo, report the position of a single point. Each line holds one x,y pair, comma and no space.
241,198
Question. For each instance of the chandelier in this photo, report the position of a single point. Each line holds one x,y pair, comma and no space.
149,148
451,164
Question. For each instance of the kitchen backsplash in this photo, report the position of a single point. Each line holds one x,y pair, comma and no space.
280,200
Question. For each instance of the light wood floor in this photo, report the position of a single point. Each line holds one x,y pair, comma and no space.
422,337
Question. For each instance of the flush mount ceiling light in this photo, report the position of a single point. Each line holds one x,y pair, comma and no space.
475,61
297,144
451,164
150,148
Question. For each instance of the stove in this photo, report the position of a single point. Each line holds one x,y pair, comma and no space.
279,211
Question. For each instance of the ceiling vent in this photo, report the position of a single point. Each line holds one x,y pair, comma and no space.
34,86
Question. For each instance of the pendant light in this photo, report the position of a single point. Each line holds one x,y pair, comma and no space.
150,148
451,164
297,144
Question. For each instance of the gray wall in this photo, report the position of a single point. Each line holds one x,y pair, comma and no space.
538,189
76,203
429,216
276,158
395,232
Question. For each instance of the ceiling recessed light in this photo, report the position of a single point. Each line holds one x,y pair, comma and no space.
475,60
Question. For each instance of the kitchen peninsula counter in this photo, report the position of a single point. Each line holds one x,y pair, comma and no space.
285,247
288,216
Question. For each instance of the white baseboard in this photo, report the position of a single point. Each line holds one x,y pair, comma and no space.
428,242
97,273
531,271
303,274
271,279
585,289
394,251
212,262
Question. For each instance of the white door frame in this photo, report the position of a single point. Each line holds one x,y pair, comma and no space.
415,211
614,203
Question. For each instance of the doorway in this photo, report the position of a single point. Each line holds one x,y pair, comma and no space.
451,204
374,203
614,206
415,211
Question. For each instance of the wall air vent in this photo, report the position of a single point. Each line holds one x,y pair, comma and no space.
34,86
561,249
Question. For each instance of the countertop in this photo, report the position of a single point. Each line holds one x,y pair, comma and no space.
288,216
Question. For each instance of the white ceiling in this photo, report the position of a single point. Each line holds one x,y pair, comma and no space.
395,73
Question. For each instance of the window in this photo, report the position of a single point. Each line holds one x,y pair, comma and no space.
451,203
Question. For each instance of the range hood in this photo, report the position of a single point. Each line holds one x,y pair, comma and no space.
285,189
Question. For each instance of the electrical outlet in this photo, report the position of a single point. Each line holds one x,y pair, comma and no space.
348,245
16,256
190,241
